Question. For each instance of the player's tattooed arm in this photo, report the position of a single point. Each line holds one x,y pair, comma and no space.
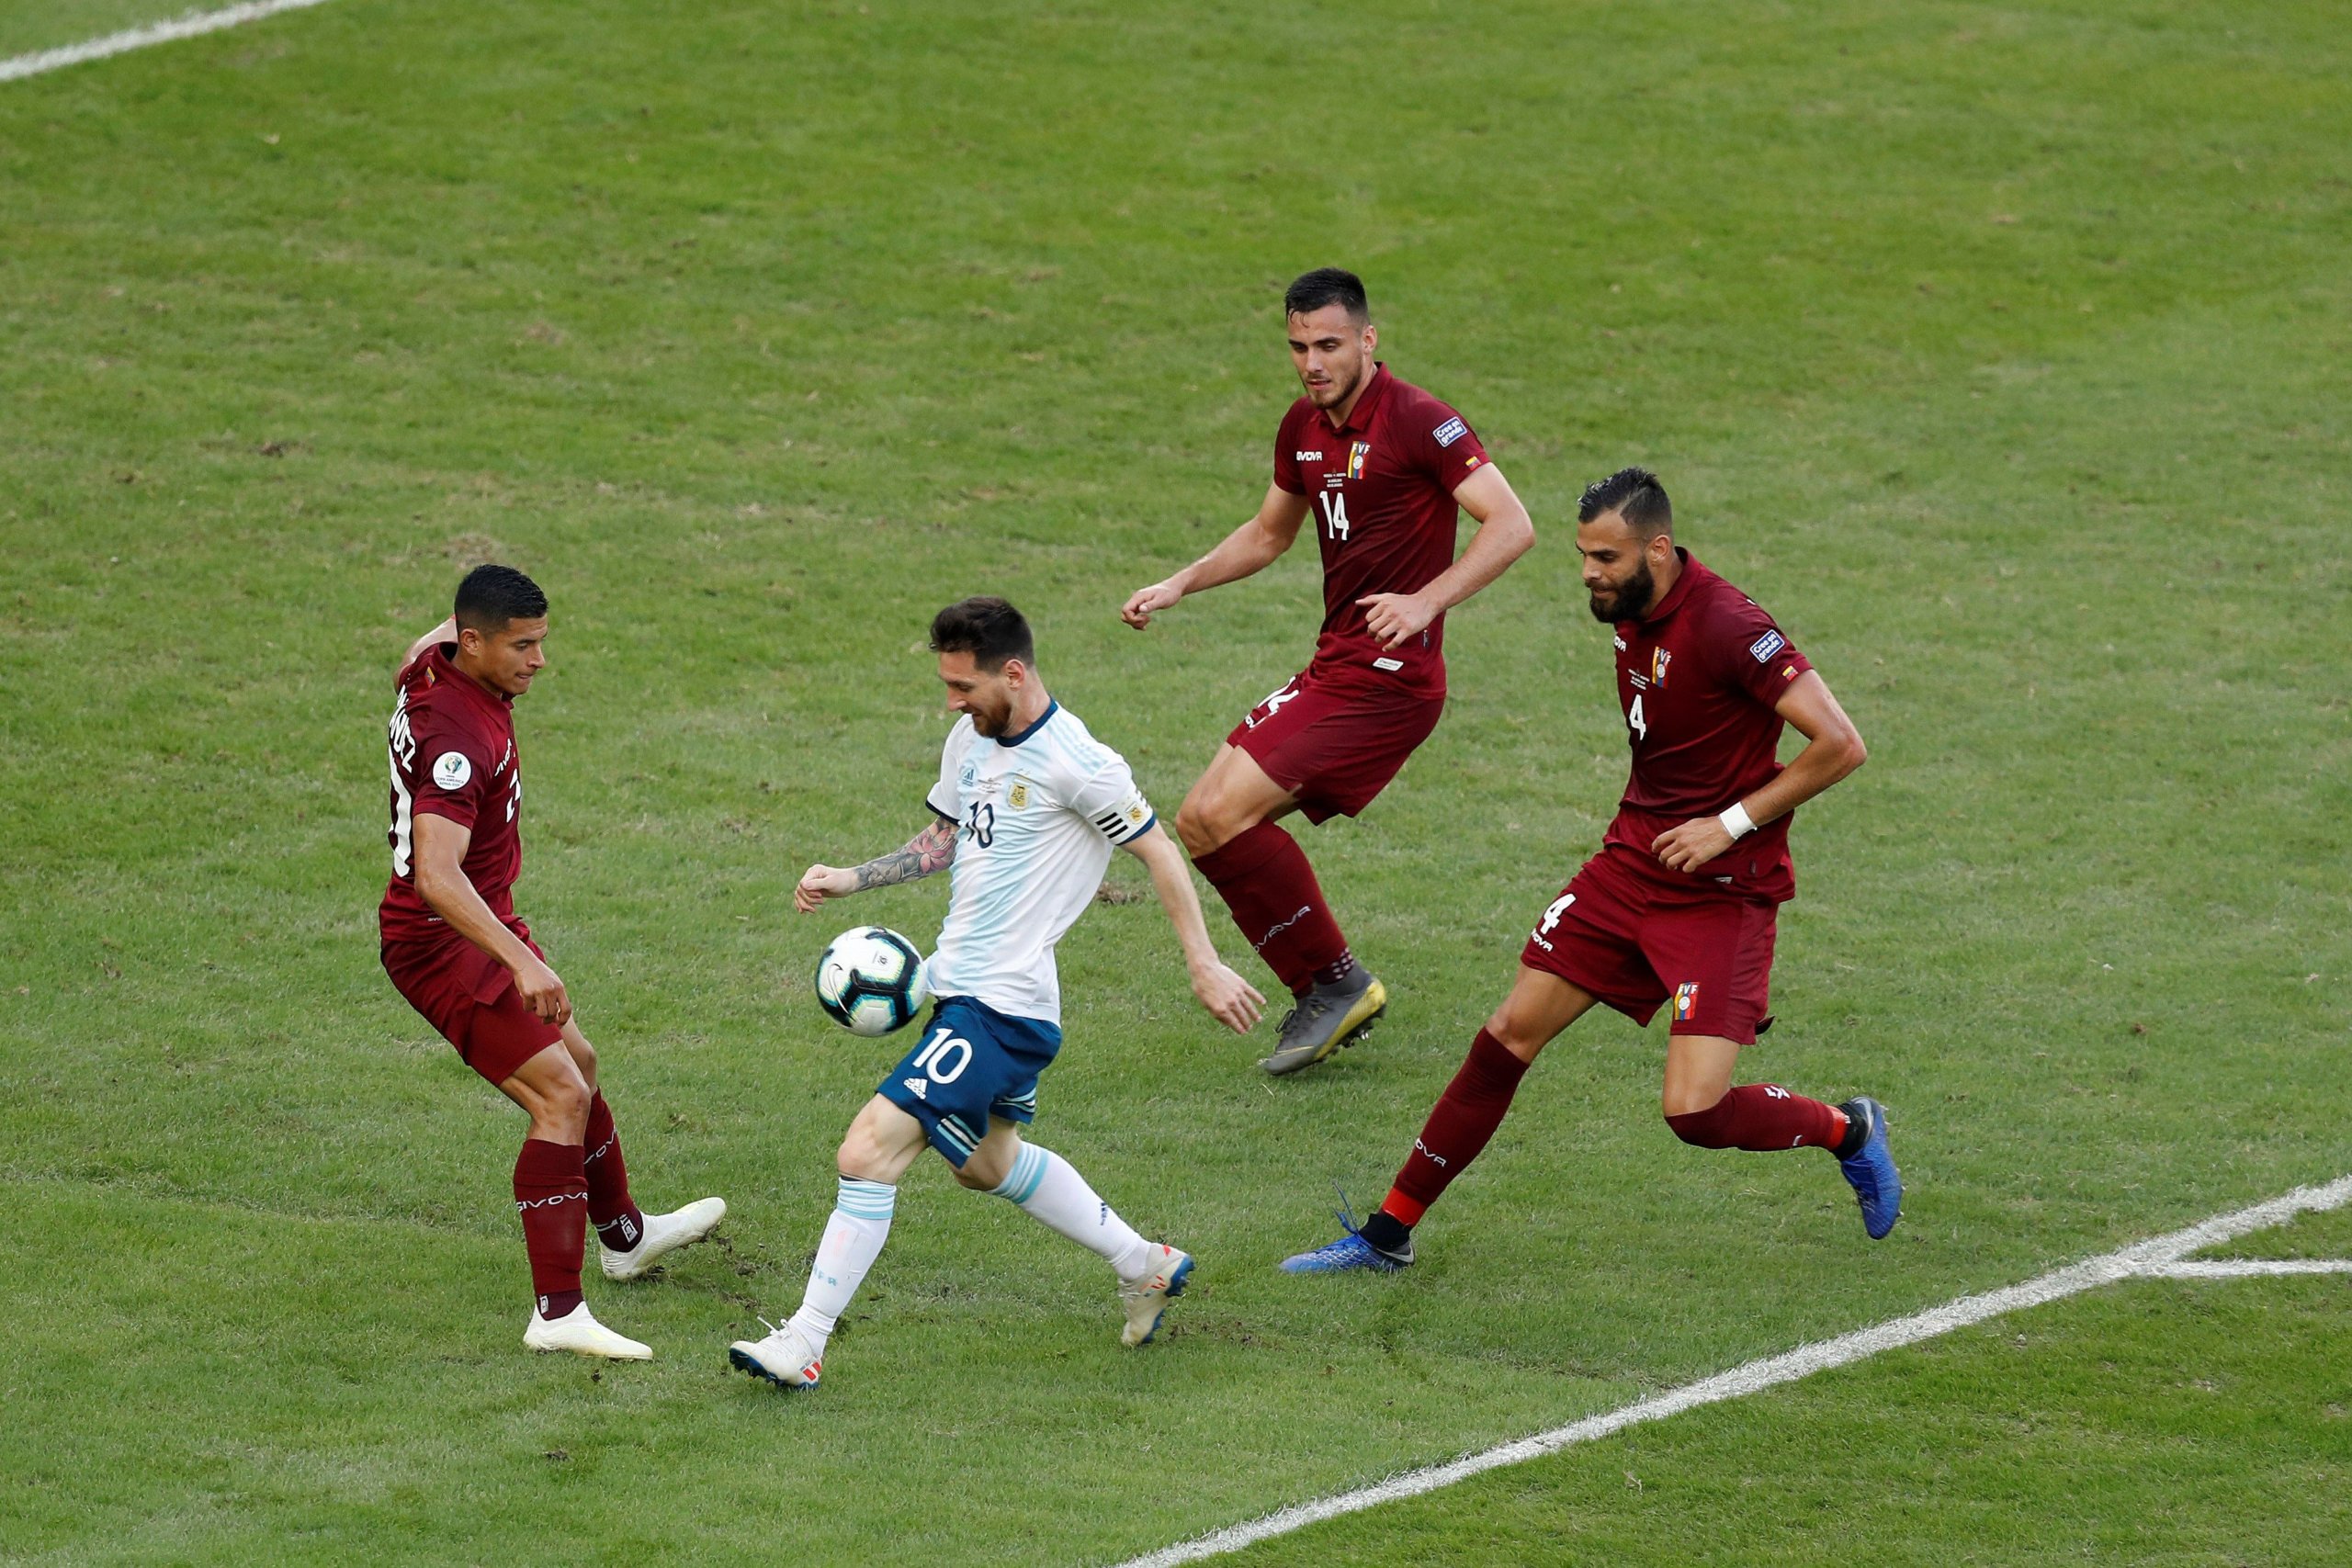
932,849
927,852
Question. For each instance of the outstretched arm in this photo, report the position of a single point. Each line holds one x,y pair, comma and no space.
1231,999
1250,549
1833,748
929,851
1505,533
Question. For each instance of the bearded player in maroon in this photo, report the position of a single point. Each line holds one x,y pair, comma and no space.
1680,903
456,951
1383,471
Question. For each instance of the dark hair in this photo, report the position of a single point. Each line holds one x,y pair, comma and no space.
1326,286
988,629
1634,494
492,595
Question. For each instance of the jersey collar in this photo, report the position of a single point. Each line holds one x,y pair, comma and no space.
1360,417
1683,583
1052,707
446,672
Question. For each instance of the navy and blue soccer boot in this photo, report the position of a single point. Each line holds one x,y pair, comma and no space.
1870,1169
1351,1251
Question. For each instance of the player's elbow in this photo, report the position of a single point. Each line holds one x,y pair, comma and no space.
1851,753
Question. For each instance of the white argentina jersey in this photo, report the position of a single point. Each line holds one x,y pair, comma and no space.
1036,813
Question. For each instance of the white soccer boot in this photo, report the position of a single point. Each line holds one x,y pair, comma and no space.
580,1334
1166,1272
664,1234
783,1358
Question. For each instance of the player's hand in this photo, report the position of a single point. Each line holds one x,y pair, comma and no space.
1231,1001
1692,845
819,883
1141,605
542,991
1395,618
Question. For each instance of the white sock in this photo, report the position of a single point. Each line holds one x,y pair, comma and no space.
853,1238
1049,1189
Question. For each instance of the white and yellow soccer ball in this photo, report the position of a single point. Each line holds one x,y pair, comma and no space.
870,980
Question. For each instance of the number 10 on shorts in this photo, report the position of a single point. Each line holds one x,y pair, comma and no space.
932,1060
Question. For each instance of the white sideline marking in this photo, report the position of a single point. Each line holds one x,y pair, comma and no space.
2161,1256
2248,1267
190,26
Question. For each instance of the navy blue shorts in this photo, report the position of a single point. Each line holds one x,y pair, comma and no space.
972,1063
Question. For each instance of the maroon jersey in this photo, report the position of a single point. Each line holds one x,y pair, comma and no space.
1699,676
453,756
1379,490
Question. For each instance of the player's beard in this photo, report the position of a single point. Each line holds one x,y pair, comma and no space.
1630,599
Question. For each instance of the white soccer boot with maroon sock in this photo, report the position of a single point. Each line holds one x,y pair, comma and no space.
580,1334
664,1234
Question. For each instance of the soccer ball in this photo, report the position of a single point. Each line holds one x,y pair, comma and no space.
870,981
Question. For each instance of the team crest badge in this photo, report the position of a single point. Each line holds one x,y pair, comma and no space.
1356,456
1660,659
1686,996
1020,795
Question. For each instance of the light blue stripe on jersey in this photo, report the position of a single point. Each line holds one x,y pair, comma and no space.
1028,1175
862,1200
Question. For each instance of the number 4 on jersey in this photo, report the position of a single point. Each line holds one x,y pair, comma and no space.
1636,722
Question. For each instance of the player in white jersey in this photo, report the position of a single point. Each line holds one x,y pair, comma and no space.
1028,808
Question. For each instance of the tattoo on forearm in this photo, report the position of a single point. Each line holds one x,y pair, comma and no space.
927,852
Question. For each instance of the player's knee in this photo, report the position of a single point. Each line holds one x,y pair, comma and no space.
1197,826
563,1105
1515,1035
1696,1119
859,1158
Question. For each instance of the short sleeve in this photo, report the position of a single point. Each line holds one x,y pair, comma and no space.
1753,653
946,798
452,773
1443,445
1108,797
1287,457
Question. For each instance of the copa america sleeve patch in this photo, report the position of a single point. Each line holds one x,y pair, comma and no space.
1764,647
1452,430
451,770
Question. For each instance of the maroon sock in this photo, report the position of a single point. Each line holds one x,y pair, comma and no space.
1761,1116
1464,1117
619,1224
1278,906
552,1195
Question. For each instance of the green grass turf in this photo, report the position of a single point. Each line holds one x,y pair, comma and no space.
52,24
1996,350
2160,1422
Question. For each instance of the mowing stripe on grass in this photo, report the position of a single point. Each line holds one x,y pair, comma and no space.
190,26
2161,1256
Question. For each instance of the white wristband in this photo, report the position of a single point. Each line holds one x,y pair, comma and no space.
1736,822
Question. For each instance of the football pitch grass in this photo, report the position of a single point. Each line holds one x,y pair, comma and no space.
1998,350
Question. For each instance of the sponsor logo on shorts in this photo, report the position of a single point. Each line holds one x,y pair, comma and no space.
452,769
1764,647
1686,996
1452,430
918,1087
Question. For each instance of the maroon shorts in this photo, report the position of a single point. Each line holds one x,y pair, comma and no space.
471,1000
1334,736
1634,935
